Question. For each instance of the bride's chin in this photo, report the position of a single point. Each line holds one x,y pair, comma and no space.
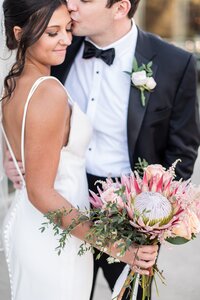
58,61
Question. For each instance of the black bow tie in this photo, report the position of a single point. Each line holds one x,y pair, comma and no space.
91,51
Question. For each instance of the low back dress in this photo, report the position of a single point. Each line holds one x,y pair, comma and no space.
36,271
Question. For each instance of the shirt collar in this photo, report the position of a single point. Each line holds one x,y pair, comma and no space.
128,41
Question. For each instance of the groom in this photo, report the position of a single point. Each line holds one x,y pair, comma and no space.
162,130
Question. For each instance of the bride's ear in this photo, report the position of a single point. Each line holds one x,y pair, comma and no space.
17,33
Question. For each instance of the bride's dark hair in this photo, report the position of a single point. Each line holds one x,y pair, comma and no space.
33,17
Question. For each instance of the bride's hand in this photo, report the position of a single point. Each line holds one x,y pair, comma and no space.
141,258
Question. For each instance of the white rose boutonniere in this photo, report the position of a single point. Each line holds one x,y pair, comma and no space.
141,78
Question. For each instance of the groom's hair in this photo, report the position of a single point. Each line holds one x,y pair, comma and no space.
134,5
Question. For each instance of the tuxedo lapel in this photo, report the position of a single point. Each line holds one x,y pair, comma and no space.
136,112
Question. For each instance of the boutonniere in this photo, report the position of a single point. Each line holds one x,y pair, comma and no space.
141,78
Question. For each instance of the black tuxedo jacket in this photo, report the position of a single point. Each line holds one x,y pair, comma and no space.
168,127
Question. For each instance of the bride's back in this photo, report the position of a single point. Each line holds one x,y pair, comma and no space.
13,110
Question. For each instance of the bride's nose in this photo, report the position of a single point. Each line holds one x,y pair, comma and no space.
66,40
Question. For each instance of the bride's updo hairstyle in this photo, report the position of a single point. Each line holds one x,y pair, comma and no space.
32,16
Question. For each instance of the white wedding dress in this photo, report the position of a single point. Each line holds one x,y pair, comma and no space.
36,271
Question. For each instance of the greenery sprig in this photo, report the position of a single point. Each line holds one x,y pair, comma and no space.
140,166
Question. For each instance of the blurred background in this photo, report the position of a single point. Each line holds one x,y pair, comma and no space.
178,22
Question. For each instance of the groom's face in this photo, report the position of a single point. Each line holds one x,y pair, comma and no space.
91,17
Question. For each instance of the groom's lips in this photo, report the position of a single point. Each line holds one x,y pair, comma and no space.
74,19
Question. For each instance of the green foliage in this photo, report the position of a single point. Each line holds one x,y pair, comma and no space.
177,240
108,226
54,219
140,166
143,67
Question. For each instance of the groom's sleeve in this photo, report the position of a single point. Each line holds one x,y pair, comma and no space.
184,129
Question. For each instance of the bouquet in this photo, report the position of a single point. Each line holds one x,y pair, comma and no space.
144,210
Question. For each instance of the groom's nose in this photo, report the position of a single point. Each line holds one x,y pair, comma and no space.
72,5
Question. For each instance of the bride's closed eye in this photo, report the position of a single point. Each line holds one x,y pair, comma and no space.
54,33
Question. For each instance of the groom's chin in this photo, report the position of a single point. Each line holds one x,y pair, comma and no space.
76,30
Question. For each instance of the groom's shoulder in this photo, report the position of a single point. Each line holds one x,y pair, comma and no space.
166,48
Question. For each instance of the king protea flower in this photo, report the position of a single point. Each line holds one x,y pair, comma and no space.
156,204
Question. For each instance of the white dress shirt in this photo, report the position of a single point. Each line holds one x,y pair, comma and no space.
102,92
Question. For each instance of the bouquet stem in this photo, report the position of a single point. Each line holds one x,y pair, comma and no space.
135,287
131,277
135,278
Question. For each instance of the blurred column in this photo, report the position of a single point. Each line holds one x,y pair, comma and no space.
180,20
140,15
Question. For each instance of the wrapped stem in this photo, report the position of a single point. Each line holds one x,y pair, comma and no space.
126,284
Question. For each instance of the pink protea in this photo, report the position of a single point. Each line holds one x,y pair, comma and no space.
154,208
95,200
156,204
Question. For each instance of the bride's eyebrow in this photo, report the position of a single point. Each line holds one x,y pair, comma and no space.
57,26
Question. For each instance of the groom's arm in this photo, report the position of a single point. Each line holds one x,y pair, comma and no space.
184,129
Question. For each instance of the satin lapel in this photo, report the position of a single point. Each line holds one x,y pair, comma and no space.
136,111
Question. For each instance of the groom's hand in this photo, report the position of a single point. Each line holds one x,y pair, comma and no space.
11,170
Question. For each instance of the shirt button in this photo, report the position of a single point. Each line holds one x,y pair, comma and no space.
97,72
90,149
92,99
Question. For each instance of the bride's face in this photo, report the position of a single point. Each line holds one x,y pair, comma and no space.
51,48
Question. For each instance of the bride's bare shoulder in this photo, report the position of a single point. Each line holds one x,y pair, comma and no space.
51,89
49,102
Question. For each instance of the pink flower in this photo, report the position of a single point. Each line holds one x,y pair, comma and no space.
111,195
158,171
189,225
95,200
156,204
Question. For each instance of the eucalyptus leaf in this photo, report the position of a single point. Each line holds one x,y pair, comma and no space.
177,240
135,65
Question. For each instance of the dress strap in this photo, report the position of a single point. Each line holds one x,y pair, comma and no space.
34,87
70,100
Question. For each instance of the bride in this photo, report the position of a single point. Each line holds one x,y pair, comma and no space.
48,132
6,60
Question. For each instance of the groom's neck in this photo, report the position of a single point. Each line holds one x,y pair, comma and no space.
112,34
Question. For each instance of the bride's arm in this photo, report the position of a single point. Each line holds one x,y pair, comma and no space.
47,123
46,126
